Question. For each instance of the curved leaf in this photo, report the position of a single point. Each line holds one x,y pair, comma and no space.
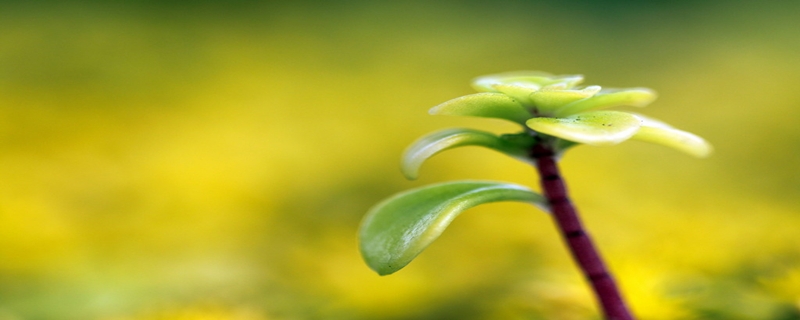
651,122
396,230
548,100
656,131
636,97
594,128
566,82
518,92
535,79
676,139
488,105
531,79
439,141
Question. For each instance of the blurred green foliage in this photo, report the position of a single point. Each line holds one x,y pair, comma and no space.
205,160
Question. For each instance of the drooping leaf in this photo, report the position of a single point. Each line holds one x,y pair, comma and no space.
656,131
676,139
396,230
594,127
635,97
552,98
651,122
439,141
487,105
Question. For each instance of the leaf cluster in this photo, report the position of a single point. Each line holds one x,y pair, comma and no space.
554,112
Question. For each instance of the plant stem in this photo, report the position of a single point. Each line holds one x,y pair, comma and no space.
577,239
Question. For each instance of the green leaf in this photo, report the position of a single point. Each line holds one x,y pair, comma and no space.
594,128
661,133
530,79
636,97
520,93
554,97
439,141
566,82
488,105
398,229
533,79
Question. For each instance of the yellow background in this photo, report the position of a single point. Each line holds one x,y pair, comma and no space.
203,160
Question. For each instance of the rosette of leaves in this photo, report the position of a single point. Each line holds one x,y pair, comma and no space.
553,111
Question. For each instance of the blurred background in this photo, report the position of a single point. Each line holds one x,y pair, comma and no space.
210,160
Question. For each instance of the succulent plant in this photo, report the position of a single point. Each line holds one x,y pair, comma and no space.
555,114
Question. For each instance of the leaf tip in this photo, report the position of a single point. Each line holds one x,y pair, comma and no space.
660,133
409,174
703,151
384,272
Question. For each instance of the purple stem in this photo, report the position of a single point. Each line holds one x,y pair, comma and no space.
580,244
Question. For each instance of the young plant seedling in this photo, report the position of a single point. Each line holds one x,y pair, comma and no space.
555,115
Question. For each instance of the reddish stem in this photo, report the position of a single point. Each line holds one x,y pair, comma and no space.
580,244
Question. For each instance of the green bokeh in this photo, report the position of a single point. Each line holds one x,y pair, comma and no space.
208,160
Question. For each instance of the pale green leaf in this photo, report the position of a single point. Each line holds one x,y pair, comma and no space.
487,105
439,141
552,98
651,122
531,79
655,131
535,79
565,82
677,139
520,93
594,128
396,230
635,97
